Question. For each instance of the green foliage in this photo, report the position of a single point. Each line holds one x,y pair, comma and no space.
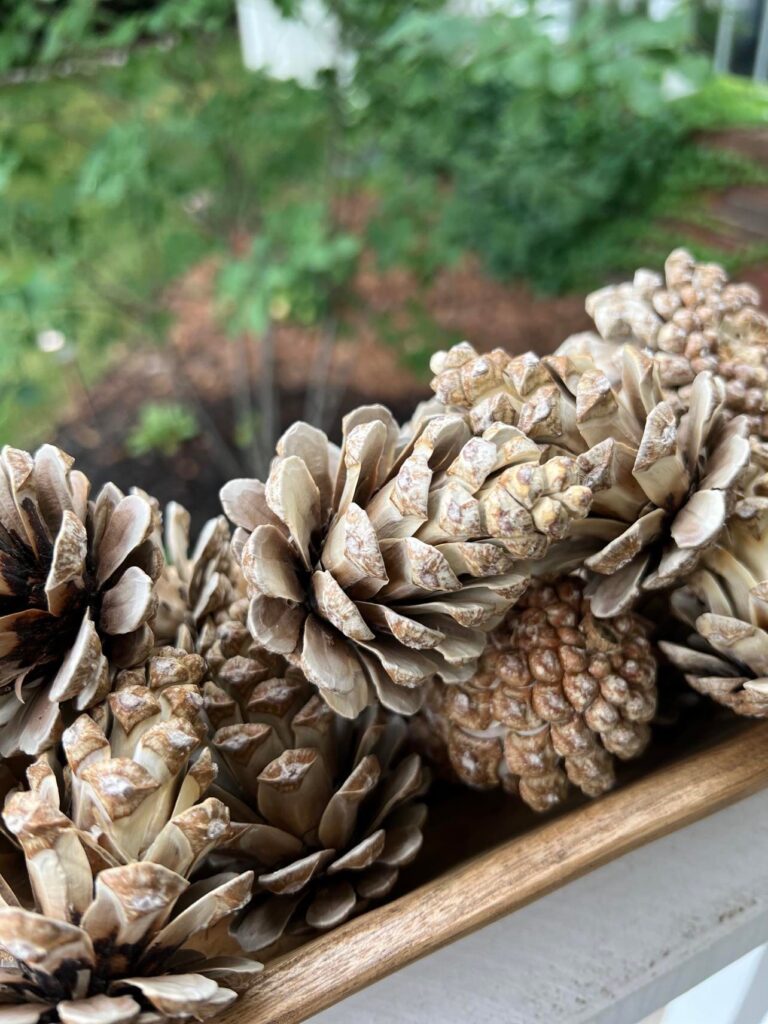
363,23
726,101
552,160
113,184
534,146
162,427
292,269
645,237
42,32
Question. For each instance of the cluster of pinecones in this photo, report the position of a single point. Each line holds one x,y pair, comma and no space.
210,752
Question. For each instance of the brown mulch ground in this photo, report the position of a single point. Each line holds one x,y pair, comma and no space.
385,327
738,216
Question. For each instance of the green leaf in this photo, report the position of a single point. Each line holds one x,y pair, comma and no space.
161,427
566,75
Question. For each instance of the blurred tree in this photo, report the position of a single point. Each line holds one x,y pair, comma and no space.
113,183
535,146
546,157
41,32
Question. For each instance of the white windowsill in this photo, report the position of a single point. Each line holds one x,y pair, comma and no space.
609,948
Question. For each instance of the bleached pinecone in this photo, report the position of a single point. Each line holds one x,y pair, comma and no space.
559,694
564,400
725,604
76,592
233,658
327,805
378,567
112,927
693,319
143,756
663,483
194,585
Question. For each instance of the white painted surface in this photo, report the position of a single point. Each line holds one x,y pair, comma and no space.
725,997
737,994
610,948
290,48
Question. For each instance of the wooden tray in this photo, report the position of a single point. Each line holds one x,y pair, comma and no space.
501,880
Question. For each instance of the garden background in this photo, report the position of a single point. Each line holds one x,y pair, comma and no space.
195,254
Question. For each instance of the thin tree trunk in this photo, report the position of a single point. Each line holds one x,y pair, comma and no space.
242,404
187,392
317,406
267,404
82,388
138,311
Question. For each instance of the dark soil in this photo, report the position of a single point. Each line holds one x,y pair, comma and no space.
381,354
195,473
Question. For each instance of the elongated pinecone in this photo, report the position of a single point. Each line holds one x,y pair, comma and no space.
76,592
194,585
113,927
557,696
327,805
379,567
725,603
693,319
663,484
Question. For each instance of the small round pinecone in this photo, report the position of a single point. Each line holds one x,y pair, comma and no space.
558,695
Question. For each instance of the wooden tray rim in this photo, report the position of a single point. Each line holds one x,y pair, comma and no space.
331,967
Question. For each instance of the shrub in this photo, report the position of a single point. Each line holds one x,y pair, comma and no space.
534,144
162,427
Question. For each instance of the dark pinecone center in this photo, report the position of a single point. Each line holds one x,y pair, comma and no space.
40,639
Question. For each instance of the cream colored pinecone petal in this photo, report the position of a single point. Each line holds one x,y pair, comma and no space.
99,1009
57,858
48,946
725,603
182,995
720,679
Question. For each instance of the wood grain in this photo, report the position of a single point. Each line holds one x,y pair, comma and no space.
366,949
